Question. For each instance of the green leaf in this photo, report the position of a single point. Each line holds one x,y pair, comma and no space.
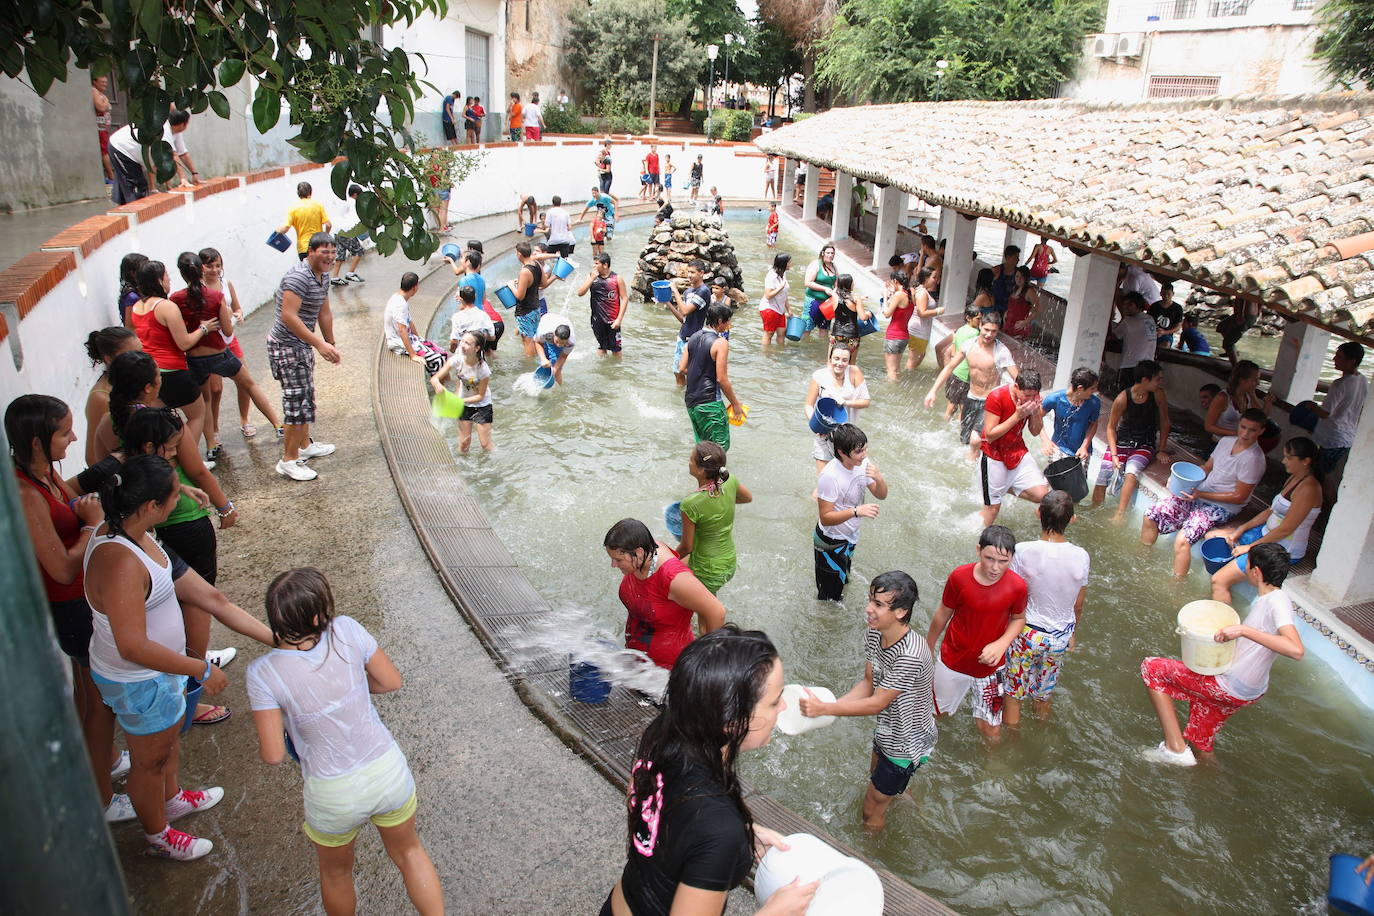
219,104
149,14
338,179
163,160
266,108
230,72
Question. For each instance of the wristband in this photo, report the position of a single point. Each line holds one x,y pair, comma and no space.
224,510
208,668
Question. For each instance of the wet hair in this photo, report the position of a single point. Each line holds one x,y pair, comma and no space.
475,245
192,269
148,280
154,427
473,259
895,261
720,282
1211,388
781,261
1351,350
1305,449
972,311
1024,275
847,439
713,689
603,258
1254,415
1011,250
1136,299
562,332
409,280
928,241
209,256
556,200
901,587
717,314
1244,370
128,272
998,537
828,246
130,373
319,240
844,287
710,457
300,605
1028,380
698,264
1083,377
467,294
1273,562
303,189
480,338
1056,511
524,249
1147,369
178,117
924,274
900,277
838,346
984,281
629,535
30,417
106,343
989,317
141,479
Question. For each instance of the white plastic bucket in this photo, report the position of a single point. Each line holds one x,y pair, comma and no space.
791,721
1198,623
849,887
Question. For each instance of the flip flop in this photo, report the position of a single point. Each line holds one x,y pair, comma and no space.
212,715
248,430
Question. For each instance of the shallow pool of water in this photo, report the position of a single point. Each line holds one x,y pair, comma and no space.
1063,817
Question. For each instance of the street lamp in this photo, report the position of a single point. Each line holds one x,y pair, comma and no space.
729,40
941,66
711,52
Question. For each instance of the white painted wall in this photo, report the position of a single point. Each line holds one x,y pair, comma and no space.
441,44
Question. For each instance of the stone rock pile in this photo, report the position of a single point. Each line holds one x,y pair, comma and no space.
676,242
1211,307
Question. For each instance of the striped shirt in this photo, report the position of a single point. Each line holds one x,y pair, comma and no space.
906,728
313,290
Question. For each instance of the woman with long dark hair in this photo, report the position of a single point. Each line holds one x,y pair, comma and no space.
39,429
849,313
660,598
128,285
689,835
102,347
1023,304
1241,394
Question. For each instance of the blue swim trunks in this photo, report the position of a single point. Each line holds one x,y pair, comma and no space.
528,324
145,707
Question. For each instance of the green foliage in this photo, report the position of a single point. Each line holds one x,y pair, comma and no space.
617,114
1346,43
348,96
445,168
770,56
885,50
708,20
566,120
611,44
729,124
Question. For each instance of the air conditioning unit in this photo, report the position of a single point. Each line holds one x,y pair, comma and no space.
1104,45
1129,44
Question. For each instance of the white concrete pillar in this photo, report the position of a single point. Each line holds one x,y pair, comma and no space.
789,178
844,206
954,279
1086,317
946,224
1298,366
811,193
1016,237
1344,575
891,211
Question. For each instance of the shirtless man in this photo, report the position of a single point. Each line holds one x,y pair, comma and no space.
987,357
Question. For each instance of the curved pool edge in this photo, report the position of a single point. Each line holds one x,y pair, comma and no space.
487,586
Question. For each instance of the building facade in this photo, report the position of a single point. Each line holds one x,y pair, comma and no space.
536,48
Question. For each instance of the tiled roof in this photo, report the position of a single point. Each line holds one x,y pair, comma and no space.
1269,197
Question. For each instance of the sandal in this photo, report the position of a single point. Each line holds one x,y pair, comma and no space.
209,715
212,453
248,430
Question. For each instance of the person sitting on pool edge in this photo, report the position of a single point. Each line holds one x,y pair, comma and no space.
1268,632
897,688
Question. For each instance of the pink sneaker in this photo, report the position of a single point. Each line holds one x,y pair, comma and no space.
173,844
190,801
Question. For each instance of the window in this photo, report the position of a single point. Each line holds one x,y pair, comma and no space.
1304,4
1228,7
1182,87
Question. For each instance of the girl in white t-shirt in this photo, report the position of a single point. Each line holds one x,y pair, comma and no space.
469,368
316,684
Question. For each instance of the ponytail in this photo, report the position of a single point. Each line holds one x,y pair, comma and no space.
710,457
130,374
154,427
141,480
105,343
192,271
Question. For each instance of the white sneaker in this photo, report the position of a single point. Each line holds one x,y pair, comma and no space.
353,278
173,844
1162,754
119,809
296,470
122,767
316,450
190,801
221,658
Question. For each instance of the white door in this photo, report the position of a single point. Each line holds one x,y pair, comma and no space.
478,83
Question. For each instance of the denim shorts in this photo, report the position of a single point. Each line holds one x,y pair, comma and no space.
223,363
145,707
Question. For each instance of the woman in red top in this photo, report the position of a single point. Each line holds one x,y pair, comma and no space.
660,598
39,429
159,324
1022,305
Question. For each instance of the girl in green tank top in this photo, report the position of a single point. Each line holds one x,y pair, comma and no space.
708,517
822,272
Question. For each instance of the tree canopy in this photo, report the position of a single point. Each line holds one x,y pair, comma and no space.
886,50
609,44
1346,43
348,95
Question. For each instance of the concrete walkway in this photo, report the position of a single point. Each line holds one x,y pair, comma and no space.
515,822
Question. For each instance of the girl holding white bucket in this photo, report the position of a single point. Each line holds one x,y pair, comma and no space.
843,383
691,837
1268,632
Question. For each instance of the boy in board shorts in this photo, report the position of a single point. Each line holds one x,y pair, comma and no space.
981,611
1005,465
896,687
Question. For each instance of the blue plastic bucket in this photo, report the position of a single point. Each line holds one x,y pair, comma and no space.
672,518
870,326
529,229
586,683
1303,416
291,747
827,415
1216,553
544,376
1184,478
451,251
1347,893
192,700
796,327
279,241
563,268
506,296
663,290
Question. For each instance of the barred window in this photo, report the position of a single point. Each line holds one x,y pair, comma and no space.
1182,87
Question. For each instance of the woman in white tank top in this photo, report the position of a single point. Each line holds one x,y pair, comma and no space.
844,383
1288,521
138,649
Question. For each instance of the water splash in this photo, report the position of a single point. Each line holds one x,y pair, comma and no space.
526,385
570,633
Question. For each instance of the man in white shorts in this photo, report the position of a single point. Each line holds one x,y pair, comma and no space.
1004,465
981,611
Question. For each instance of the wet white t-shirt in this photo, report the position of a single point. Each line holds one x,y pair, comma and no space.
1345,402
1248,677
843,487
1228,470
397,312
1055,573
776,303
469,378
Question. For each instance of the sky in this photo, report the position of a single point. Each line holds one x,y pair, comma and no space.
749,8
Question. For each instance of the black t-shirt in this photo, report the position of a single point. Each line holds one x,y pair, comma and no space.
531,301
1168,317
699,296
702,386
690,834
846,320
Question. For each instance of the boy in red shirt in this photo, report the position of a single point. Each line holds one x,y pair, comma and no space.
770,230
1003,465
598,233
982,610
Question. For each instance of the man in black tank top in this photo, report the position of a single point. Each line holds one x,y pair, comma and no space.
1137,432
704,361
526,286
